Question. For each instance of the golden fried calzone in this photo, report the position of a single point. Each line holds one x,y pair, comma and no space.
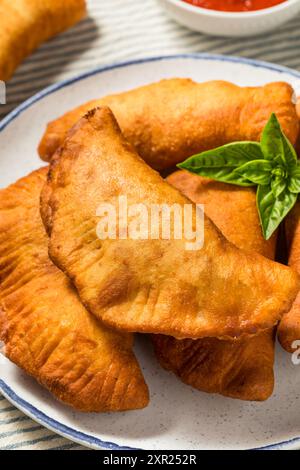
25,24
289,327
45,328
150,285
173,119
243,368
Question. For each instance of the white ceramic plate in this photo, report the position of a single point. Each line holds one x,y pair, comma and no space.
178,417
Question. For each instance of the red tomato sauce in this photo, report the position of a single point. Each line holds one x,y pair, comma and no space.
234,5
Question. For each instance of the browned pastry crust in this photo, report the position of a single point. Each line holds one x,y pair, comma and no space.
231,208
243,368
289,327
171,120
25,24
240,369
153,286
46,329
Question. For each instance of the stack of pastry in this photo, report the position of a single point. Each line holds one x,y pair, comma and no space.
70,302
25,24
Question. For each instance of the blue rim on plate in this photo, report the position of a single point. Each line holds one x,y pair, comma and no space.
19,402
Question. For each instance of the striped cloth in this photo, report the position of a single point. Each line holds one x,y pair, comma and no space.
117,30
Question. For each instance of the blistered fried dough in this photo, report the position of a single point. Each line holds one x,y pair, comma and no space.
231,208
243,368
25,24
171,120
240,369
46,329
289,327
150,285
298,114
289,330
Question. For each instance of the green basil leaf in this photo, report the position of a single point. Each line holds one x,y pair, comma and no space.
224,175
295,170
230,155
275,145
271,141
278,185
289,152
294,179
294,185
219,163
257,171
273,210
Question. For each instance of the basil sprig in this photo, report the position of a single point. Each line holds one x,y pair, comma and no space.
271,165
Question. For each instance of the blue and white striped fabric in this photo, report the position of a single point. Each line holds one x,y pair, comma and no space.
17,431
118,30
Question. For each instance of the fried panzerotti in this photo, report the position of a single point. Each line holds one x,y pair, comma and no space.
25,24
150,285
289,327
171,120
46,329
243,368
231,208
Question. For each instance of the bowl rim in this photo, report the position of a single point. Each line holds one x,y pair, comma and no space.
232,14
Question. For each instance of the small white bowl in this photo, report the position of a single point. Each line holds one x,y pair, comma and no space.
219,23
